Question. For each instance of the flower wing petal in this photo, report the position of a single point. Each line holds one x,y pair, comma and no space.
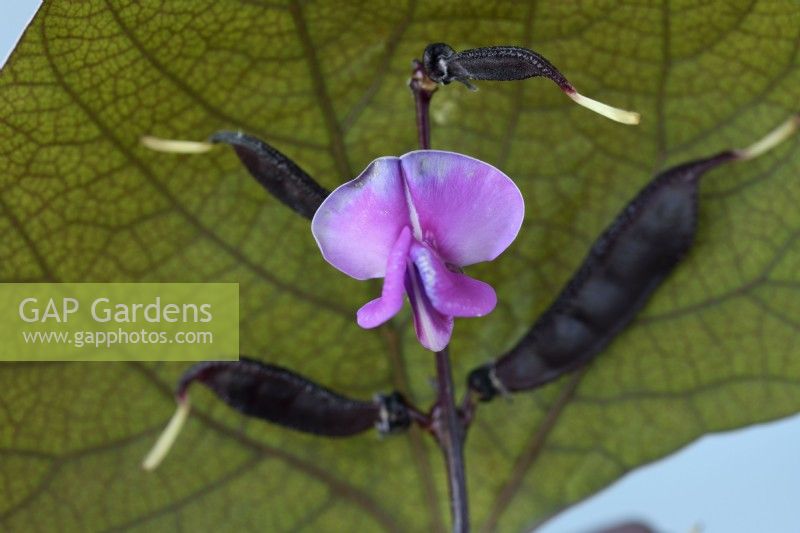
451,293
383,308
358,223
433,328
468,210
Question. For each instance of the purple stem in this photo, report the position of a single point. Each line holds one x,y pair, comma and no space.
445,419
450,433
423,88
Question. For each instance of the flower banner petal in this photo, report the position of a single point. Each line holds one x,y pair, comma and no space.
470,211
358,223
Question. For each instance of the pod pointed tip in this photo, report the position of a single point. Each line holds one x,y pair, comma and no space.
174,146
772,139
616,114
168,436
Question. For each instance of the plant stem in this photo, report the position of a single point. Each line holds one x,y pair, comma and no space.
450,433
445,419
423,88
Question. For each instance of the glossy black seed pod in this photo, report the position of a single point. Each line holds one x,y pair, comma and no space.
623,268
275,172
283,397
498,63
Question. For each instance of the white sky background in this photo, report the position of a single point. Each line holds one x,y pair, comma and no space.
745,481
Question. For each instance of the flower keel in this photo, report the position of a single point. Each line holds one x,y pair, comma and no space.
433,328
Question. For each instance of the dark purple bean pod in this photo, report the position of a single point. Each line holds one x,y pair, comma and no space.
623,268
508,63
275,172
497,63
285,398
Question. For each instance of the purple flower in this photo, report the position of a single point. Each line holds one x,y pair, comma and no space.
415,220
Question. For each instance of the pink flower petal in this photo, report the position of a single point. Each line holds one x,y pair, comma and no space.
358,223
432,327
451,293
381,309
467,210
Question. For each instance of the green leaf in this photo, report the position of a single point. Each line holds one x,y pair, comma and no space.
325,83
